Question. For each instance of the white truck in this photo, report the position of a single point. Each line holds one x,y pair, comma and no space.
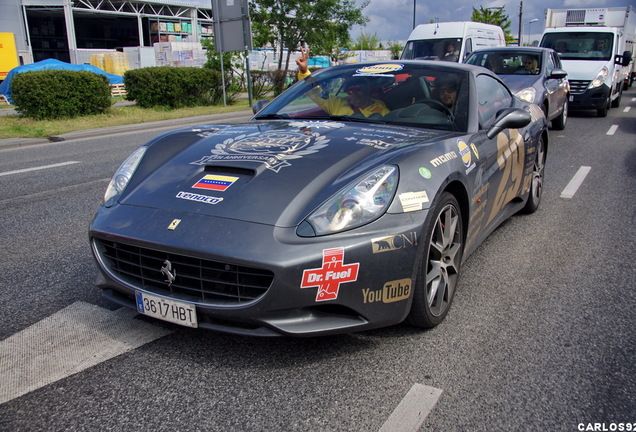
451,41
596,46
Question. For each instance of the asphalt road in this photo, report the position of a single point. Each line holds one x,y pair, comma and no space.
541,335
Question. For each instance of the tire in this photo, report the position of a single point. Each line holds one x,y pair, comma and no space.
559,122
603,111
617,102
536,184
439,264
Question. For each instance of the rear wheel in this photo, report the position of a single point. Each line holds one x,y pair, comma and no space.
536,184
439,266
559,122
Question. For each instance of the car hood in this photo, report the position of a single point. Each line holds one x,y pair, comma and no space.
270,172
582,70
519,82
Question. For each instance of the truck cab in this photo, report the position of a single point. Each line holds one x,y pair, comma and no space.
596,56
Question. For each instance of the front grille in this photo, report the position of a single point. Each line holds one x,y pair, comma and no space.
578,87
197,280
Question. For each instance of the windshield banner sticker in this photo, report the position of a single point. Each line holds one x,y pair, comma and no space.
273,149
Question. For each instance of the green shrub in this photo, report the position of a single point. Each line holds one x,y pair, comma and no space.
56,94
261,84
173,87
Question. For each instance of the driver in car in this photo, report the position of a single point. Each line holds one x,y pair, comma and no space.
358,98
446,92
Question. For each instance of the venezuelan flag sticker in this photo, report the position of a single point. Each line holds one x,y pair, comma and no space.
215,182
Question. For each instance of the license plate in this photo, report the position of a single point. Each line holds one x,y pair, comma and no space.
173,311
571,98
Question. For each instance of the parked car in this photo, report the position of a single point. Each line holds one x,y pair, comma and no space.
533,74
302,222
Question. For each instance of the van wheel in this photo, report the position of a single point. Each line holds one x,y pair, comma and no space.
617,102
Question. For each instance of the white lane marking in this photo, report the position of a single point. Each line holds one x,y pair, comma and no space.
627,109
50,193
413,409
576,182
612,130
6,173
71,340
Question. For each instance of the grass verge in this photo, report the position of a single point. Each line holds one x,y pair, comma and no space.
15,126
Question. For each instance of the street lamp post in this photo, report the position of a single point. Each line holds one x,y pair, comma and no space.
530,33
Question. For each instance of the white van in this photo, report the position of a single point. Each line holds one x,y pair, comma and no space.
595,46
451,41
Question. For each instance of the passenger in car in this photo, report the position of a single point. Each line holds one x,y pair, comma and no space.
358,100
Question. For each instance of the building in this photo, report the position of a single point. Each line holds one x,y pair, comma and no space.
73,30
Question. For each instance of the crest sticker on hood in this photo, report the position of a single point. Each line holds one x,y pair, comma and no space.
316,124
273,149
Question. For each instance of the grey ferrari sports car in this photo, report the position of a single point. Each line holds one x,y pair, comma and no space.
347,203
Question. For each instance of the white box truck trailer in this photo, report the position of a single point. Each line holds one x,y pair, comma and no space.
596,46
451,41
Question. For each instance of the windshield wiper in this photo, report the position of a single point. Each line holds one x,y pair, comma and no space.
372,119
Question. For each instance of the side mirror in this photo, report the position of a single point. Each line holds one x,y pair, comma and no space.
509,118
259,105
558,73
627,58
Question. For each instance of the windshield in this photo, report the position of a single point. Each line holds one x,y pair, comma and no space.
415,94
433,49
580,45
509,62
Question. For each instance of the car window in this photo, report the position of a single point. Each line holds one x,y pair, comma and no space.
469,47
508,62
492,96
550,65
415,94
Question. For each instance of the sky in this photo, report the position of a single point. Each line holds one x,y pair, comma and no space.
392,20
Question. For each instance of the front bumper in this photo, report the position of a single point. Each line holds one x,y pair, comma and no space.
377,294
595,98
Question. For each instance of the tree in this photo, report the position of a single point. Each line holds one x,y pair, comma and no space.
395,48
320,23
367,41
494,16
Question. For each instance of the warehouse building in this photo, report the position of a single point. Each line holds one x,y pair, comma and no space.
74,30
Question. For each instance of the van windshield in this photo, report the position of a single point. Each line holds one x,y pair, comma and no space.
580,45
433,49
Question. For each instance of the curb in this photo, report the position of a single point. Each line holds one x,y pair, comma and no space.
12,143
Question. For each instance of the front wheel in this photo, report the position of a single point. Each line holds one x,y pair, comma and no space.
439,265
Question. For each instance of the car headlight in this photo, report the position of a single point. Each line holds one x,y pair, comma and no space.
527,94
600,78
123,176
357,204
